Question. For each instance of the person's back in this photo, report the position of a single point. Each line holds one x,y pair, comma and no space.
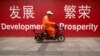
46,22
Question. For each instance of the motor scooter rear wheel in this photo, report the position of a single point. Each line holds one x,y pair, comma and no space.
39,39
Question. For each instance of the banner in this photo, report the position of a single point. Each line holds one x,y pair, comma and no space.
22,17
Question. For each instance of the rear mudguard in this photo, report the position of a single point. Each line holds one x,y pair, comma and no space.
37,35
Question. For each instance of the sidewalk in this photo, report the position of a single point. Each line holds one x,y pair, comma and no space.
27,46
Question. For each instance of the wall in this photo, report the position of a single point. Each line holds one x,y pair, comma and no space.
40,7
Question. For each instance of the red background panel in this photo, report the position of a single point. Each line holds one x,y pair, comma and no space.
57,7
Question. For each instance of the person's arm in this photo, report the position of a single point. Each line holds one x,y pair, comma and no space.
49,22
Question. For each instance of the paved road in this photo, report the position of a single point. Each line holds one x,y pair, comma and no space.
27,46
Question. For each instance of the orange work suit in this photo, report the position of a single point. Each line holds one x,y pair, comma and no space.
47,26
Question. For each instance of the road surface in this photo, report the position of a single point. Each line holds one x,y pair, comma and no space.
27,46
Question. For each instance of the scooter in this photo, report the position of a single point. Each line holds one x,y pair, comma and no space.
41,36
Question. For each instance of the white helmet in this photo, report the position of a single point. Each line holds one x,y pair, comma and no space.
49,12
